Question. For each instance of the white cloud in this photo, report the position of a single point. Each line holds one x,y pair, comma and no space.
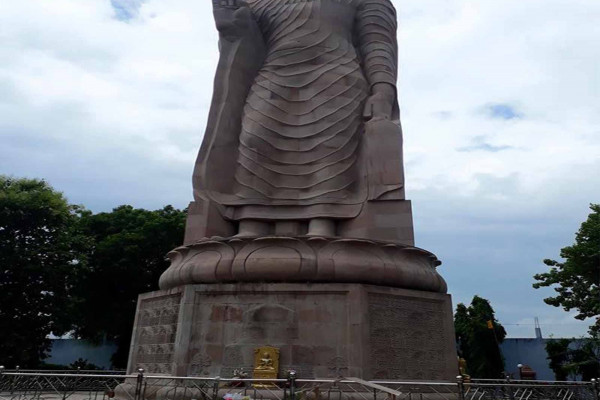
110,108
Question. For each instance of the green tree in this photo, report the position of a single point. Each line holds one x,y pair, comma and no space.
462,328
585,359
559,357
126,258
577,279
479,335
40,247
574,358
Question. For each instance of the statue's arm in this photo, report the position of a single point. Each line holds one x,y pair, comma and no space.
234,20
242,53
241,47
376,35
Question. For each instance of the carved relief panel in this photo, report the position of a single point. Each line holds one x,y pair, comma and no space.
154,345
408,337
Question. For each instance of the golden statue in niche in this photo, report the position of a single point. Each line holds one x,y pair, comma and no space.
266,365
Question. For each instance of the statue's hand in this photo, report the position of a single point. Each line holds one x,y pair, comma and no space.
380,104
233,17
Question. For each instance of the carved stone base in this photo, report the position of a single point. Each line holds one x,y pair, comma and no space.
303,259
322,330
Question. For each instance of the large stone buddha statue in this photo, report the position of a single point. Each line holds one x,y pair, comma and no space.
284,151
299,235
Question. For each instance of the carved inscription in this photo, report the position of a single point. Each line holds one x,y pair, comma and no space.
337,366
156,331
200,364
234,359
407,338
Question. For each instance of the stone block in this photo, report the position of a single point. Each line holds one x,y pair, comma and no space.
322,330
205,220
385,220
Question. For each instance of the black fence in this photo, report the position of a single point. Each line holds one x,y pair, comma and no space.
91,385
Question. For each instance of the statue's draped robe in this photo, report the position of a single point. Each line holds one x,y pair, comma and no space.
299,153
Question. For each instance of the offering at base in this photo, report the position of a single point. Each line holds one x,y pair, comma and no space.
266,365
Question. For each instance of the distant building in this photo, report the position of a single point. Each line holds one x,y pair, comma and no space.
528,351
66,351
531,352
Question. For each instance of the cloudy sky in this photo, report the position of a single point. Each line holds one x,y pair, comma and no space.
107,100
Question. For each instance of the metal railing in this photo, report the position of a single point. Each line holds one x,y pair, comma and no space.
20,385
67,371
531,389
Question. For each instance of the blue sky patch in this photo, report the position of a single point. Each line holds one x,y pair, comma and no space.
480,144
502,111
126,10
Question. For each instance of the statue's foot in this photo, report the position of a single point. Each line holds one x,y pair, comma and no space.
323,227
252,228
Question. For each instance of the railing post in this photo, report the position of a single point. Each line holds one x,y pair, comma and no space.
15,379
138,384
216,388
511,395
65,388
292,379
461,387
12,383
595,389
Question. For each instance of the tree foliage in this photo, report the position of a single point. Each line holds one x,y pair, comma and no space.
585,359
577,279
570,358
558,357
64,269
478,343
40,247
126,257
